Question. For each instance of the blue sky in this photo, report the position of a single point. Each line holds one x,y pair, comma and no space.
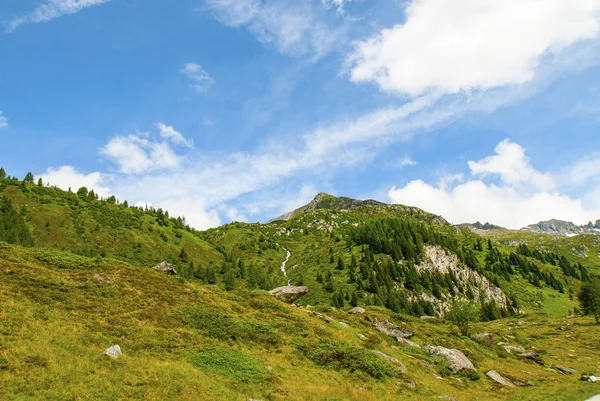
222,110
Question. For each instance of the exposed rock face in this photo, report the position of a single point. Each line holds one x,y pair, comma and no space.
437,259
482,227
513,348
391,359
580,251
457,360
564,370
408,342
165,267
289,294
113,352
357,311
498,378
397,332
532,356
566,228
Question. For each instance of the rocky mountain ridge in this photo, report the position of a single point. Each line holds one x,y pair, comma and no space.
565,228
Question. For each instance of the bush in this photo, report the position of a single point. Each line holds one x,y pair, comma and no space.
223,327
463,314
471,374
340,355
230,363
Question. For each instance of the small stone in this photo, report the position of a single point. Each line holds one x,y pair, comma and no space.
113,352
357,311
344,325
270,368
104,279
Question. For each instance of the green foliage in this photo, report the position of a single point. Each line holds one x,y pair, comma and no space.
463,314
230,363
29,178
13,228
589,297
340,355
216,324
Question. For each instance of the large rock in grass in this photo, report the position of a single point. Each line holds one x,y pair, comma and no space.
357,311
391,359
457,360
114,352
165,268
397,332
290,293
498,378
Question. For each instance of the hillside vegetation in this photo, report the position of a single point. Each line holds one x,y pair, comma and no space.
76,278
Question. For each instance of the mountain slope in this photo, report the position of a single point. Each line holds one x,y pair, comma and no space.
82,282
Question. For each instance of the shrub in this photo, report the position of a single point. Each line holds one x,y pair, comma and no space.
340,355
224,327
230,363
463,314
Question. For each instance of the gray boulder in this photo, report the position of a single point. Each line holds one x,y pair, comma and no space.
498,378
357,311
484,338
383,325
391,359
114,352
457,360
165,268
290,293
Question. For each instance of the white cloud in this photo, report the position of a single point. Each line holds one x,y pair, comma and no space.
192,208
201,80
3,120
170,133
583,171
52,9
66,177
512,204
453,46
513,167
293,27
134,154
406,161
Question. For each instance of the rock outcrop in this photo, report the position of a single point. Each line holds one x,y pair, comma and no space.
290,293
564,370
397,332
357,311
165,268
457,360
498,378
437,259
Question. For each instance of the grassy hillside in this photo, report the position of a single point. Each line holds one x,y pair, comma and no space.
80,281
189,341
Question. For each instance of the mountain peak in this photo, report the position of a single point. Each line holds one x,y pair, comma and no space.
326,201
